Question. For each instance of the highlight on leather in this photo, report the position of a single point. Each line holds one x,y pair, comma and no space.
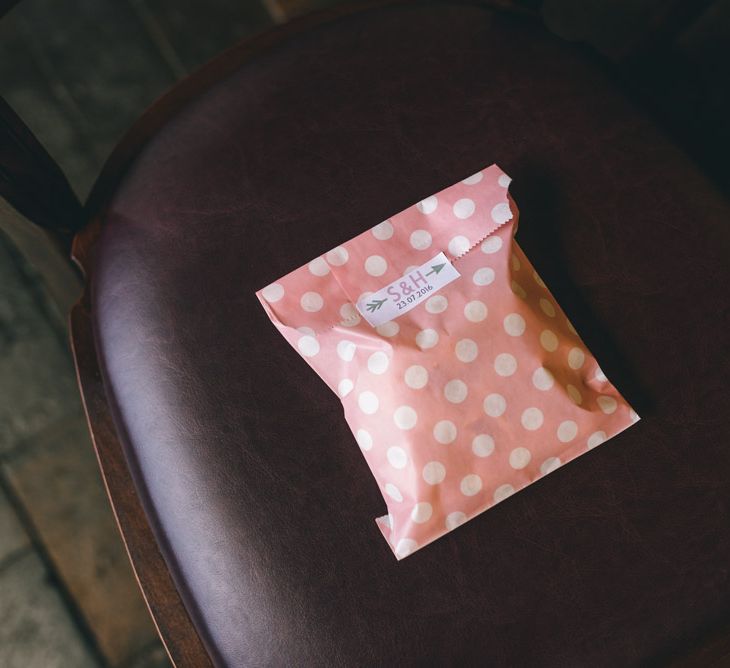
473,389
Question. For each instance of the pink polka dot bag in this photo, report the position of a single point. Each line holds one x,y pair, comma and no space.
460,377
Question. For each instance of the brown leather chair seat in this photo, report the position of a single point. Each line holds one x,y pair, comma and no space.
257,491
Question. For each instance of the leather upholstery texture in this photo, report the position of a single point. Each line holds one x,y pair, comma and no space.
257,490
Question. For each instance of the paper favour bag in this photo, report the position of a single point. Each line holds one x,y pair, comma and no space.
460,376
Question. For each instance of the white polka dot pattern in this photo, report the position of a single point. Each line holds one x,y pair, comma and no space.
479,390
383,231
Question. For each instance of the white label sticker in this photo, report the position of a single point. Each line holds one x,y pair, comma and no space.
408,291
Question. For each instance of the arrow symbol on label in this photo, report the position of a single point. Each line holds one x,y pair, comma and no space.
436,268
375,305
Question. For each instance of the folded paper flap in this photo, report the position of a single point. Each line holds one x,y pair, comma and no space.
323,293
314,299
452,220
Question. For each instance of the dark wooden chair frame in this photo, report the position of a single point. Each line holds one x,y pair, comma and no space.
32,182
